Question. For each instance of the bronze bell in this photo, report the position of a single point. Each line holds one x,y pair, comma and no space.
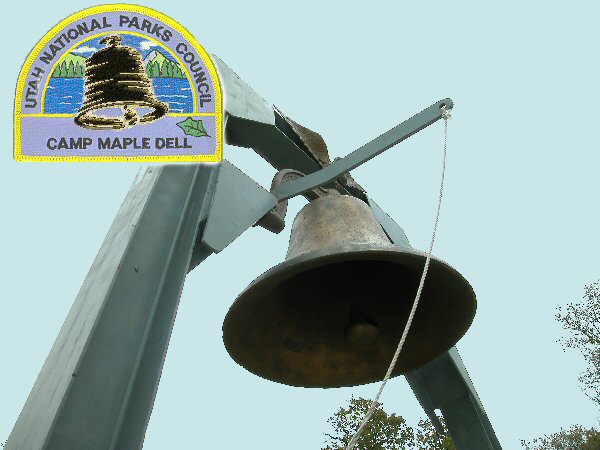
333,312
116,78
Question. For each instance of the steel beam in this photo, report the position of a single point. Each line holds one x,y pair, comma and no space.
444,383
96,388
253,123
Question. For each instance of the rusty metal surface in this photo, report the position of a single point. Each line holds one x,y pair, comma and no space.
331,315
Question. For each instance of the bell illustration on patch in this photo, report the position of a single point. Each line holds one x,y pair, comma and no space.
116,79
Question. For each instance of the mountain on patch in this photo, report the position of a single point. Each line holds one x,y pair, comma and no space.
159,66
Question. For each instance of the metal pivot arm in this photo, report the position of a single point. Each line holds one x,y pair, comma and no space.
289,183
364,153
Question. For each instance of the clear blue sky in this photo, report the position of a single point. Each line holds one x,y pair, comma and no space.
520,218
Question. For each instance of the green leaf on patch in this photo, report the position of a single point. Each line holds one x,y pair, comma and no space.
193,127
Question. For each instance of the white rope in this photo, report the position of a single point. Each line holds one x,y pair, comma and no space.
375,403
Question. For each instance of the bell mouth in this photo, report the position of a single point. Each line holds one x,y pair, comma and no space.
334,317
134,113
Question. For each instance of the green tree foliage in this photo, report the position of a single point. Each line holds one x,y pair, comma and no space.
383,431
153,70
61,70
575,438
165,70
168,69
583,321
427,438
177,72
70,70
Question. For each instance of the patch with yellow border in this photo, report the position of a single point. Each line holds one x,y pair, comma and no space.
119,82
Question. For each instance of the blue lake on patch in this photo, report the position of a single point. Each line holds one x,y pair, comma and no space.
65,95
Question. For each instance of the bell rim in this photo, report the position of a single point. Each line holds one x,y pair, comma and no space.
87,118
409,257
347,252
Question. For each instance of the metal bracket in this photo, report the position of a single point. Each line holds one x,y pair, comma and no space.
274,220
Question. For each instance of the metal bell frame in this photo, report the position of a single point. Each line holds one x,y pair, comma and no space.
97,387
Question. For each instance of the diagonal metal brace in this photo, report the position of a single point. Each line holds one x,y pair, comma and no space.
444,382
257,203
361,155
